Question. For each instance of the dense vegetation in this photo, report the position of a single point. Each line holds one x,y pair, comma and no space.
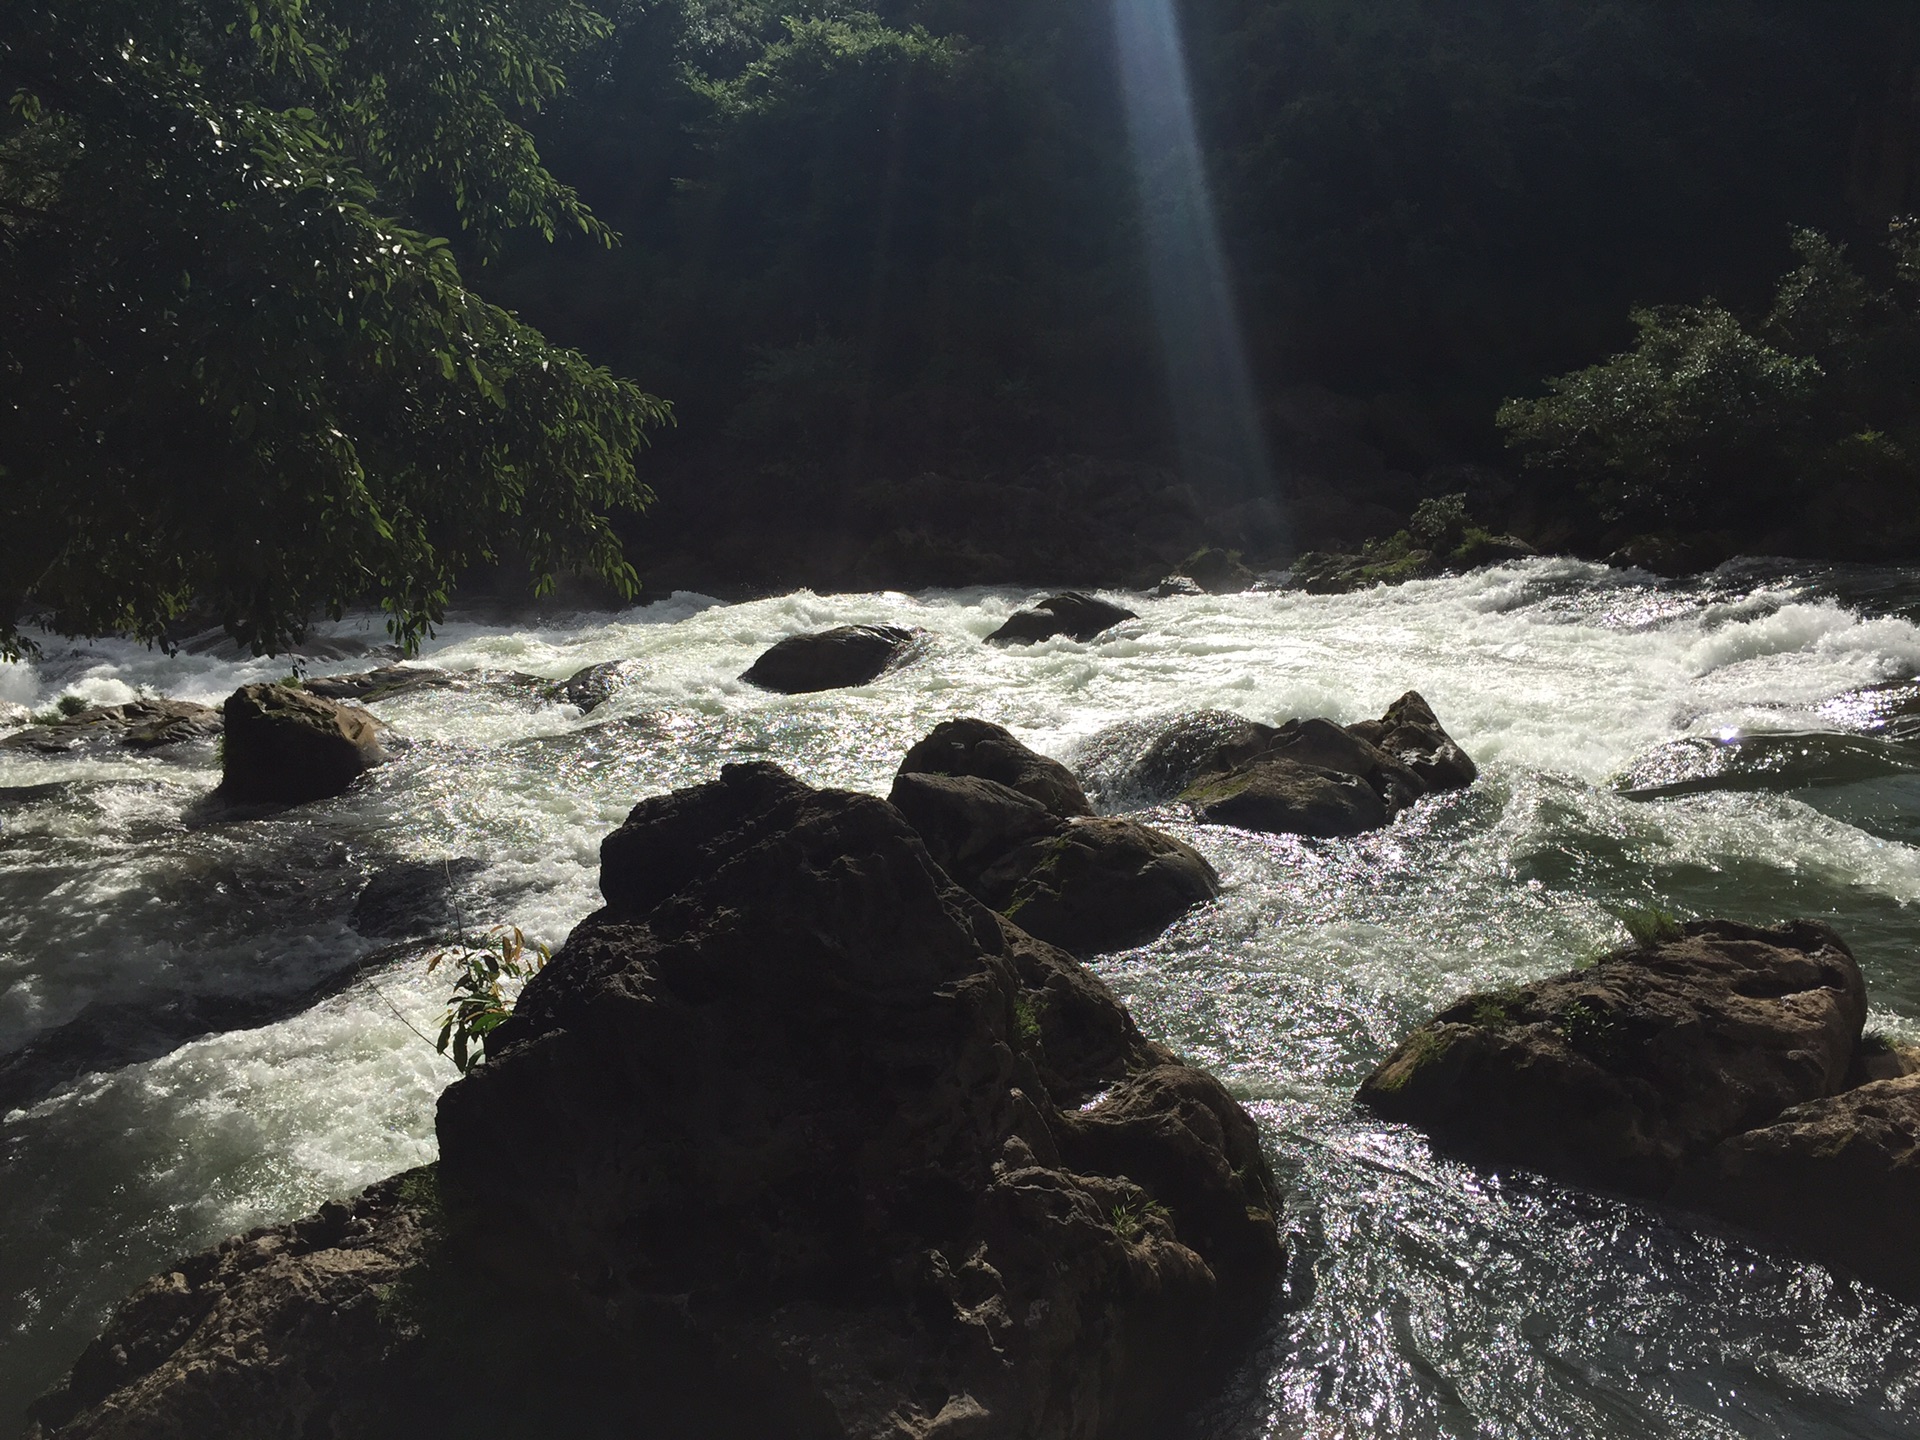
243,374
1797,432
885,258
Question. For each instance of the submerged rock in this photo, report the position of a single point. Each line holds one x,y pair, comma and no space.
143,724
383,683
593,686
792,1138
1719,1067
285,746
835,659
1077,616
413,899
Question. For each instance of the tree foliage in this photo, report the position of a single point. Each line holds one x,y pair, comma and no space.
1801,420
242,373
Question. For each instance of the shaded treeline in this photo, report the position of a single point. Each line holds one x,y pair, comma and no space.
867,247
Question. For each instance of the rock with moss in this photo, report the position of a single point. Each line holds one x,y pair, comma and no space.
1070,614
1304,777
284,746
1085,883
1625,1073
143,724
1441,538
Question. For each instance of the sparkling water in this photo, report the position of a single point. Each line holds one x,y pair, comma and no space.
1715,747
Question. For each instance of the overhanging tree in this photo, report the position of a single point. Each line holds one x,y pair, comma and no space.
237,370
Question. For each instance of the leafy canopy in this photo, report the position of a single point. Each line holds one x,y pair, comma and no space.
240,370
1808,415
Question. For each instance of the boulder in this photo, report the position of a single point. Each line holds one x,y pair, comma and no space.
792,1138
1627,1072
593,686
1306,777
1218,572
1276,796
285,746
1081,883
1101,884
834,659
1412,734
796,1087
143,724
988,751
1077,616
269,1334
1837,1179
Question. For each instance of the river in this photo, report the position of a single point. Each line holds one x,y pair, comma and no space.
1738,745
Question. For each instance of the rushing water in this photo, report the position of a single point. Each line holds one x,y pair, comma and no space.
1709,748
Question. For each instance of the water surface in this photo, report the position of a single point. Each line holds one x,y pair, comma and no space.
1741,745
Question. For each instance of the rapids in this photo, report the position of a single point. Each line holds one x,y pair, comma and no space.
1711,747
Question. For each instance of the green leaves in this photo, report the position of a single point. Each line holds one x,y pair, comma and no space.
324,414
481,1002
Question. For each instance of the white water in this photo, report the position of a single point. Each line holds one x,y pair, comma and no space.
1429,1300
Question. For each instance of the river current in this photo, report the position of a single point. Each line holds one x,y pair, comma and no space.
1741,745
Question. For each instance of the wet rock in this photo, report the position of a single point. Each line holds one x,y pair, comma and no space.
1412,734
413,899
1101,884
854,1153
143,724
1306,777
285,746
792,1138
383,683
1627,1072
834,659
270,1334
1084,884
1218,572
1276,796
1177,585
593,686
988,751
1837,1179
1077,616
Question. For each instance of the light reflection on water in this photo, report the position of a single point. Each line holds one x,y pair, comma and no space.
1428,1300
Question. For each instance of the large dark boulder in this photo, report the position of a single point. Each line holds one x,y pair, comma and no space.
835,659
1627,1072
1077,616
989,752
285,746
143,724
1282,797
1837,1179
793,1138
795,1084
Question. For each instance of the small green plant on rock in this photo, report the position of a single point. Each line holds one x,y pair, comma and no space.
1649,925
480,1001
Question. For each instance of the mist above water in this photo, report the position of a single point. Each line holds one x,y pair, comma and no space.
1701,747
